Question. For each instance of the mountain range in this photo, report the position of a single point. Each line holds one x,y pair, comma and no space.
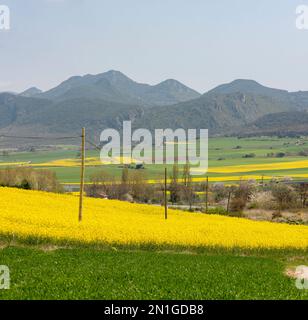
242,107
230,109
116,87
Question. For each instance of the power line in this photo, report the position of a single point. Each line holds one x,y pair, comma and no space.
97,147
38,137
93,144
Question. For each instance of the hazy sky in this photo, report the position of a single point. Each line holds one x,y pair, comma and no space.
201,43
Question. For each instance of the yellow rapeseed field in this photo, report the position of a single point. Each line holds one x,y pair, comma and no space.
260,166
90,162
7,164
231,173
95,161
46,215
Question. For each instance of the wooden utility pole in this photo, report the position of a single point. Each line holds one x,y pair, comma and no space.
228,204
206,194
83,151
165,194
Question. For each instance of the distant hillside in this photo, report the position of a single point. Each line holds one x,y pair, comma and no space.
18,110
32,116
217,112
281,124
295,100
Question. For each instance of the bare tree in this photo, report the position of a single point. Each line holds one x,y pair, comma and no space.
302,190
241,195
175,189
284,196
124,187
188,190
141,190
103,185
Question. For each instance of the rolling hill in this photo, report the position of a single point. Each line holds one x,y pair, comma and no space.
291,123
36,116
249,86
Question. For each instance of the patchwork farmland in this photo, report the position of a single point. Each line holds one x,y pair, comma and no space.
230,159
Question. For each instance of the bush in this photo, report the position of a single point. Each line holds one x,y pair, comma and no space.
220,192
262,200
280,154
249,155
303,153
217,210
238,204
284,197
241,195
223,212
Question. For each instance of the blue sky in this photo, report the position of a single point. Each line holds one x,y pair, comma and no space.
201,43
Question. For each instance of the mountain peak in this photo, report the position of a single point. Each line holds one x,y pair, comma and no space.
246,81
177,85
246,86
114,73
170,82
115,76
31,92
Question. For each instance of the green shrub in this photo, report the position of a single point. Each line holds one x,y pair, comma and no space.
217,210
249,155
223,212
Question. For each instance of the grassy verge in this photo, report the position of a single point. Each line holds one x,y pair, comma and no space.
13,240
87,273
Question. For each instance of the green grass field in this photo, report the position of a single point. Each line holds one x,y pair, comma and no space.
82,273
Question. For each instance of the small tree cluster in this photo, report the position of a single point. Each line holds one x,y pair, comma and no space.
220,192
132,187
28,178
284,196
241,195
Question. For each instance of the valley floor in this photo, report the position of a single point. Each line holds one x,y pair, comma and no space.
230,159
